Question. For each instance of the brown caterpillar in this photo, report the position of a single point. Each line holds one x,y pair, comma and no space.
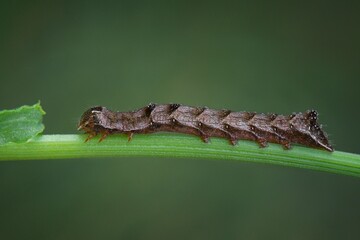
300,128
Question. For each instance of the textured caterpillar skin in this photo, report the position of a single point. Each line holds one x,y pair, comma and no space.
300,128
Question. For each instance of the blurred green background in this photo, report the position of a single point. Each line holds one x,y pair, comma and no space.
265,56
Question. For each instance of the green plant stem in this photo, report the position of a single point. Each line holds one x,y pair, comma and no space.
178,145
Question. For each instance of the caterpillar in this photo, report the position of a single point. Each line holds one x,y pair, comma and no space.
298,128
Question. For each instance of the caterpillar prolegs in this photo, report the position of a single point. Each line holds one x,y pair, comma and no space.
300,128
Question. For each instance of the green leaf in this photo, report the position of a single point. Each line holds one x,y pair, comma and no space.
21,124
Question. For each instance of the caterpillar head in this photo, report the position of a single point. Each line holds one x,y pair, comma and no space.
91,119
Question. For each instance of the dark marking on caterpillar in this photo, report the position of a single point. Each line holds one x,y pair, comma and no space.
299,128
